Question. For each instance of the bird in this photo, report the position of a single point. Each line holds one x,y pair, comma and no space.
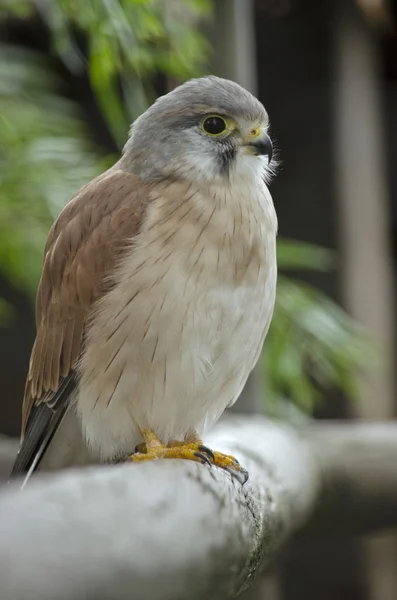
157,289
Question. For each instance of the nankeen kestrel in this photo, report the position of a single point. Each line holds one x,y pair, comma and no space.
157,289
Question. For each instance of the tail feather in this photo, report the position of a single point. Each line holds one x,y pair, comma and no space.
42,424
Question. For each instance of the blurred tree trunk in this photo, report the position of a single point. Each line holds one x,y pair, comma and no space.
295,63
362,194
360,160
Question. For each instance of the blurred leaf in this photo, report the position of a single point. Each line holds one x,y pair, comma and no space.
44,159
292,254
17,8
312,346
7,313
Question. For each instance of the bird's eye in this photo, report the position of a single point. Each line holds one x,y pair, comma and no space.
214,125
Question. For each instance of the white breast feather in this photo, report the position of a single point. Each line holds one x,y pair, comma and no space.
172,345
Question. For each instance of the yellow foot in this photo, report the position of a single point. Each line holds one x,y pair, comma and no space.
194,449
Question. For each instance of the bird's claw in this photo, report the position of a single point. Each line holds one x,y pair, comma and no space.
207,451
231,465
224,461
195,451
203,458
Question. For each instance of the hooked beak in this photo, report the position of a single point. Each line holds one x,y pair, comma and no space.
262,146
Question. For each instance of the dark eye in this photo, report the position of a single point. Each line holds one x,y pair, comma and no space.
214,125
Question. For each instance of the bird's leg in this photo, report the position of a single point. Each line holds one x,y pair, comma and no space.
191,448
152,448
142,448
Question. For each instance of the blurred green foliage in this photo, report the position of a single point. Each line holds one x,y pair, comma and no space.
46,154
312,344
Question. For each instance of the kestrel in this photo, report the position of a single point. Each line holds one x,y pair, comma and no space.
157,289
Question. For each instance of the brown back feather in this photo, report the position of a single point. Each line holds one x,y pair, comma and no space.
83,247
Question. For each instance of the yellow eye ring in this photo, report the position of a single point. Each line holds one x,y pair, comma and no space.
214,125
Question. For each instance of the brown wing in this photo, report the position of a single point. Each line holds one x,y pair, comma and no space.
82,249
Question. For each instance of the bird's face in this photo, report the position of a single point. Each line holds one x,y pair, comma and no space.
207,129
218,145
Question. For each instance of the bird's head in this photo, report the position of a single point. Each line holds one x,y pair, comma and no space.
206,129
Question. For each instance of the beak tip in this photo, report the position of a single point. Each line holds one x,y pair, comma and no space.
263,147
270,153
267,142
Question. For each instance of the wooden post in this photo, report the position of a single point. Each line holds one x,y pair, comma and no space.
175,529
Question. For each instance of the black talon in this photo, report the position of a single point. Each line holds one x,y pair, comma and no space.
245,476
242,475
207,451
204,459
